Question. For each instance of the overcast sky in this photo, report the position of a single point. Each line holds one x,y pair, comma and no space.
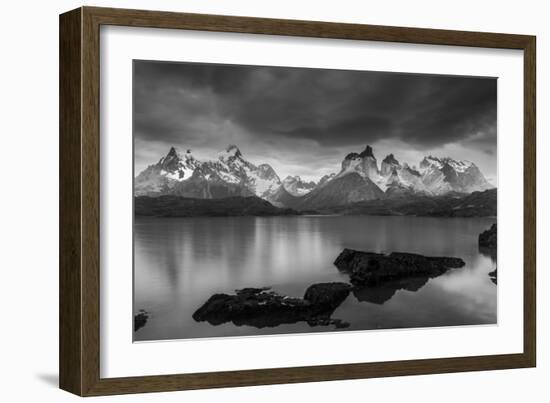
304,121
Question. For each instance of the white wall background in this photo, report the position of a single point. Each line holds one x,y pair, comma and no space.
29,200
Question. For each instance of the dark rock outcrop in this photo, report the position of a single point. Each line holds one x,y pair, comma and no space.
367,268
488,239
260,307
487,242
367,152
493,276
140,319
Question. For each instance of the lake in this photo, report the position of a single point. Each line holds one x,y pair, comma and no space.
180,262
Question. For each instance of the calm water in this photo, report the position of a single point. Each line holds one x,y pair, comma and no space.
181,262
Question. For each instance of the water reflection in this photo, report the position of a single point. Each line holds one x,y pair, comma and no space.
489,252
492,253
180,262
384,292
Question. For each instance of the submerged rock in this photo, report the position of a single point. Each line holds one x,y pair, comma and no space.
493,276
260,307
140,319
488,239
367,268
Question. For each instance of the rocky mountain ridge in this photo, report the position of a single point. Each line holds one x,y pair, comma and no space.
359,179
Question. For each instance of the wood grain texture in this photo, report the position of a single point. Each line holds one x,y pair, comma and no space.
90,202
530,202
80,200
70,271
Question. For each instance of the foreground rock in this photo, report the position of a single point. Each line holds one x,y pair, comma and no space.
260,307
493,276
488,239
487,243
140,319
367,268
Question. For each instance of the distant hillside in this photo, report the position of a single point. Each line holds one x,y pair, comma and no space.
476,204
176,206
341,191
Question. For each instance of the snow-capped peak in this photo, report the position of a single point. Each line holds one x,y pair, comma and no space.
442,175
176,166
171,169
458,165
364,164
172,154
231,174
290,179
231,152
296,186
430,161
438,163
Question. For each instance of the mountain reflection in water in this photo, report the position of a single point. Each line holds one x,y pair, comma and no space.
181,262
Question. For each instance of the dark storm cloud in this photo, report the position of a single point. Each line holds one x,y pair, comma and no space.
328,107
306,120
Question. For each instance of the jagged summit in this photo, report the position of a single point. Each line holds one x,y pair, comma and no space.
388,164
230,154
171,155
234,150
364,164
390,159
440,162
166,173
367,152
174,155
174,158
435,176
360,178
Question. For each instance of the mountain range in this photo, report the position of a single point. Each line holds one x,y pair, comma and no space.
360,179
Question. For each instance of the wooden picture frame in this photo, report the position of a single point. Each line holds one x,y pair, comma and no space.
79,348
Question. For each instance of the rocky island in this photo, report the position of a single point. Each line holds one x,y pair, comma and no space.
487,243
488,239
261,307
368,268
140,319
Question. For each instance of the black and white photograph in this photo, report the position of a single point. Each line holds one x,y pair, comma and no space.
282,200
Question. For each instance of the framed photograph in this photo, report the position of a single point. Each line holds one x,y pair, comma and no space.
249,201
